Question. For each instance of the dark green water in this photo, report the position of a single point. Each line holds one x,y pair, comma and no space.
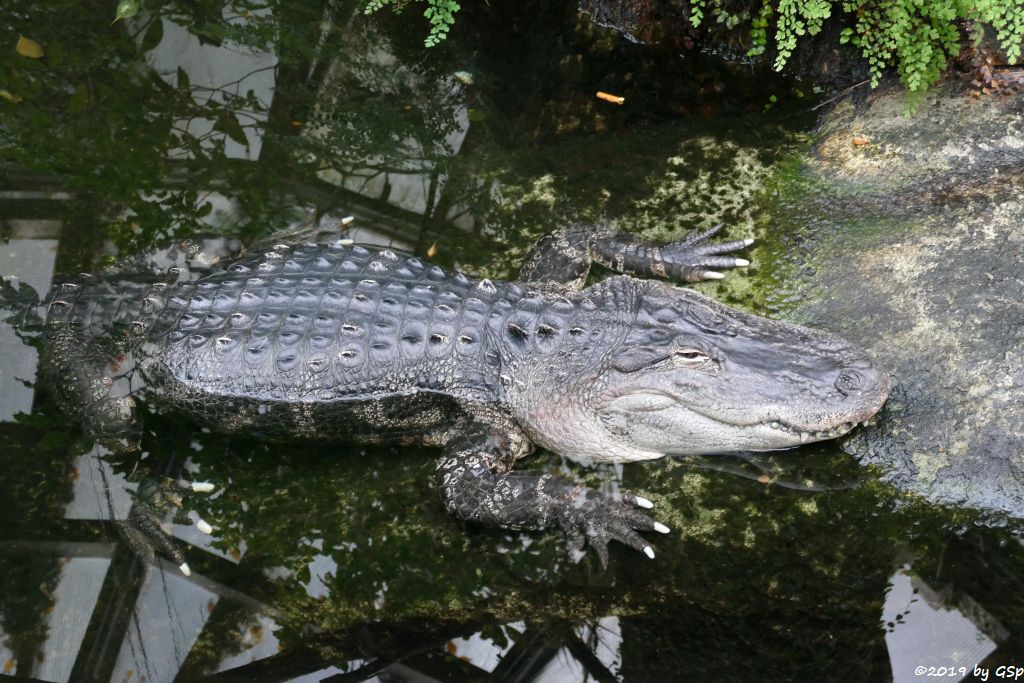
238,120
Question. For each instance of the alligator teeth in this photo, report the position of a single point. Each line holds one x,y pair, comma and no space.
775,425
805,437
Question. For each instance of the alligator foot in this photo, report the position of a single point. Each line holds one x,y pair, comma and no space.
590,516
689,259
144,531
476,486
561,261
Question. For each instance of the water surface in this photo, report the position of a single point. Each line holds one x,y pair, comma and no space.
241,119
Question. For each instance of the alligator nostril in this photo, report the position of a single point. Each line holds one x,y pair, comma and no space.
849,381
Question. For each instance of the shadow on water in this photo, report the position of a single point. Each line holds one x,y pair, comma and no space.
338,563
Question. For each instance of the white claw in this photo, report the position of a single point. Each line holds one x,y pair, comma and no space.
742,262
643,502
202,486
660,528
347,219
204,526
649,551
712,275
747,242
185,569
346,242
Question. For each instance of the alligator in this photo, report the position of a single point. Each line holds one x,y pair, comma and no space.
339,341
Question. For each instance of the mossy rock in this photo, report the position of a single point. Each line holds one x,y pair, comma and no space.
904,234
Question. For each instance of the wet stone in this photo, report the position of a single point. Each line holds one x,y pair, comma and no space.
915,244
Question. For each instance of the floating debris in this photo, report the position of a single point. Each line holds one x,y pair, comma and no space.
608,97
27,47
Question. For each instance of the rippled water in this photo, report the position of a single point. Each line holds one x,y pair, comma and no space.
240,120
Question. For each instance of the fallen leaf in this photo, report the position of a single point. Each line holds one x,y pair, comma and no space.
9,666
27,47
857,140
10,97
126,9
432,251
764,479
450,648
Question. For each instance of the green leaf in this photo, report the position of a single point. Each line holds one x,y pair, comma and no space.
126,9
183,81
227,123
154,34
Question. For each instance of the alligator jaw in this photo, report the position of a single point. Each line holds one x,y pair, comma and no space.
807,436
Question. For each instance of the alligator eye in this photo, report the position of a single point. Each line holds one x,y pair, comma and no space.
692,356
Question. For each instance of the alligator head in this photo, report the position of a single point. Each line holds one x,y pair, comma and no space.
694,376
688,375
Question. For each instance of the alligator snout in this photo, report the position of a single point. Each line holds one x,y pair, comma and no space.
864,385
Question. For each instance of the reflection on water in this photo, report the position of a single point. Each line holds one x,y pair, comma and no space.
926,626
323,563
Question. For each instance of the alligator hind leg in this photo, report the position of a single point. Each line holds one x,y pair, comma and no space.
97,380
476,485
562,259
144,530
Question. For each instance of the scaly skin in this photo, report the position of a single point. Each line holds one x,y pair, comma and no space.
337,342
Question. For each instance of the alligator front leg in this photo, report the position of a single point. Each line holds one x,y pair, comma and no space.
562,259
476,486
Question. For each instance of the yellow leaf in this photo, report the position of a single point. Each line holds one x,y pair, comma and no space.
27,47
10,97
432,251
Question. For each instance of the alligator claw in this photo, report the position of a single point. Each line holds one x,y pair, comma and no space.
603,519
642,502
